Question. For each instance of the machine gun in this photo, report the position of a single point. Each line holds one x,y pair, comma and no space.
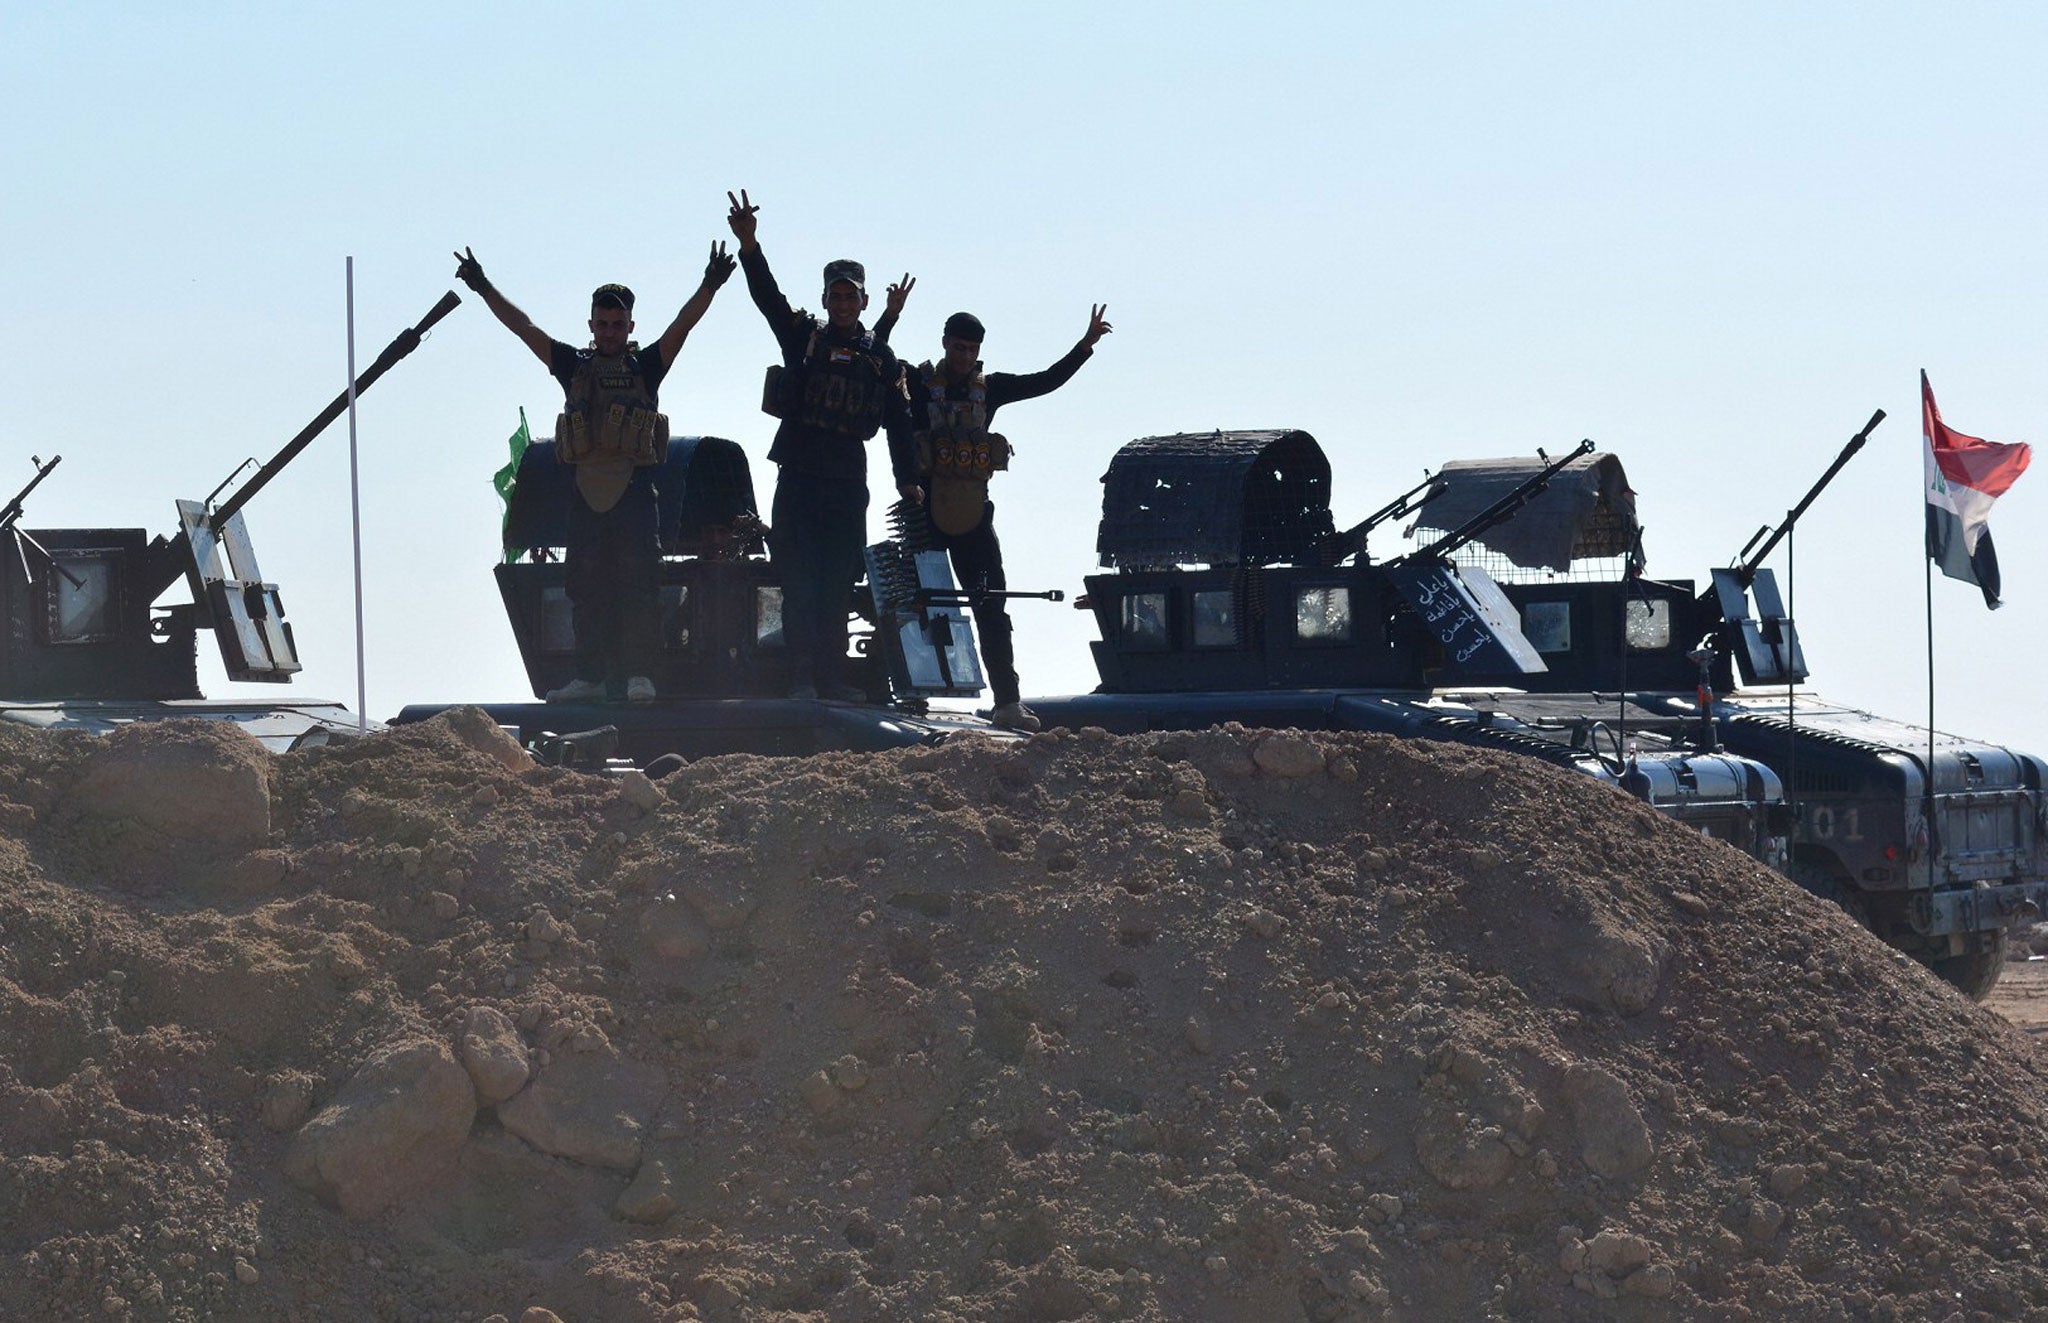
10,515
11,512
1498,513
1747,564
79,621
212,550
1340,547
172,555
1766,646
921,626
1462,608
976,596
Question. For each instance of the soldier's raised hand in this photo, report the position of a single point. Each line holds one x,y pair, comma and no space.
899,294
743,218
470,271
1097,328
719,268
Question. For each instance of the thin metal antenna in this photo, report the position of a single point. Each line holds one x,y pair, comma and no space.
355,505
1791,655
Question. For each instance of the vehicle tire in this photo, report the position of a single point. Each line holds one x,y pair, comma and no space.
1975,974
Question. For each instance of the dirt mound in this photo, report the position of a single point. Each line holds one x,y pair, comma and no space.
1231,1026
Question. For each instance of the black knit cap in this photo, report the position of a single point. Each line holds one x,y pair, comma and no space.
964,326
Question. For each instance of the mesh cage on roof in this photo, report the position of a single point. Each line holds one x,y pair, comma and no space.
703,486
1586,512
1215,498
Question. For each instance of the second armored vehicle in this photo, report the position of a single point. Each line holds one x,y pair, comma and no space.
1230,600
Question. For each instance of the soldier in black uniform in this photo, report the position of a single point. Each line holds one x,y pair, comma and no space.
943,454
837,385
613,435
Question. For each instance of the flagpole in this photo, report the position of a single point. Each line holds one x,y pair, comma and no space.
1959,535
1927,577
355,506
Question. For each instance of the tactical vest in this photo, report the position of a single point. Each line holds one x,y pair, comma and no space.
957,453
837,388
610,414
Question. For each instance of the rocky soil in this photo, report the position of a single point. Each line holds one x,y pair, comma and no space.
1232,1026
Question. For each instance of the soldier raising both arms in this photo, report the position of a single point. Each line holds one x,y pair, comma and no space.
612,433
943,454
837,385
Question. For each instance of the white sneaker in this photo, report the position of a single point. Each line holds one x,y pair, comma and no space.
578,691
1015,716
639,689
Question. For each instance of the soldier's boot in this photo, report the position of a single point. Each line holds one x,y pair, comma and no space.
1015,716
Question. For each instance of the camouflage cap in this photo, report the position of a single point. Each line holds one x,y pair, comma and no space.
848,270
612,296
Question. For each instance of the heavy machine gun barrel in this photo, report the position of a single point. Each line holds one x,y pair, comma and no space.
1499,512
1746,570
1351,542
11,512
970,597
170,564
407,341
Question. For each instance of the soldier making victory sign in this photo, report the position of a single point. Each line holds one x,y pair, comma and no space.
836,386
613,435
943,454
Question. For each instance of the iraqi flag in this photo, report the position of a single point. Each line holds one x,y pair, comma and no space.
1964,476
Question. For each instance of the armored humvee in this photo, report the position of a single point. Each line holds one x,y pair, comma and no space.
1231,600
1230,595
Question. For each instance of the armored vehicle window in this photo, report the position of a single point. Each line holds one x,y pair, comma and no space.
675,615
1647,624
1144,620
768,617
1548,626
556,634
1322,613
82,596
1215,619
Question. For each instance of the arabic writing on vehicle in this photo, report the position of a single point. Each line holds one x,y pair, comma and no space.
1461,631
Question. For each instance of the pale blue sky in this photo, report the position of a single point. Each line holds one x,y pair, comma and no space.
1713,239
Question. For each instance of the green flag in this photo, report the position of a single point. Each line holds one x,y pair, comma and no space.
504,479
